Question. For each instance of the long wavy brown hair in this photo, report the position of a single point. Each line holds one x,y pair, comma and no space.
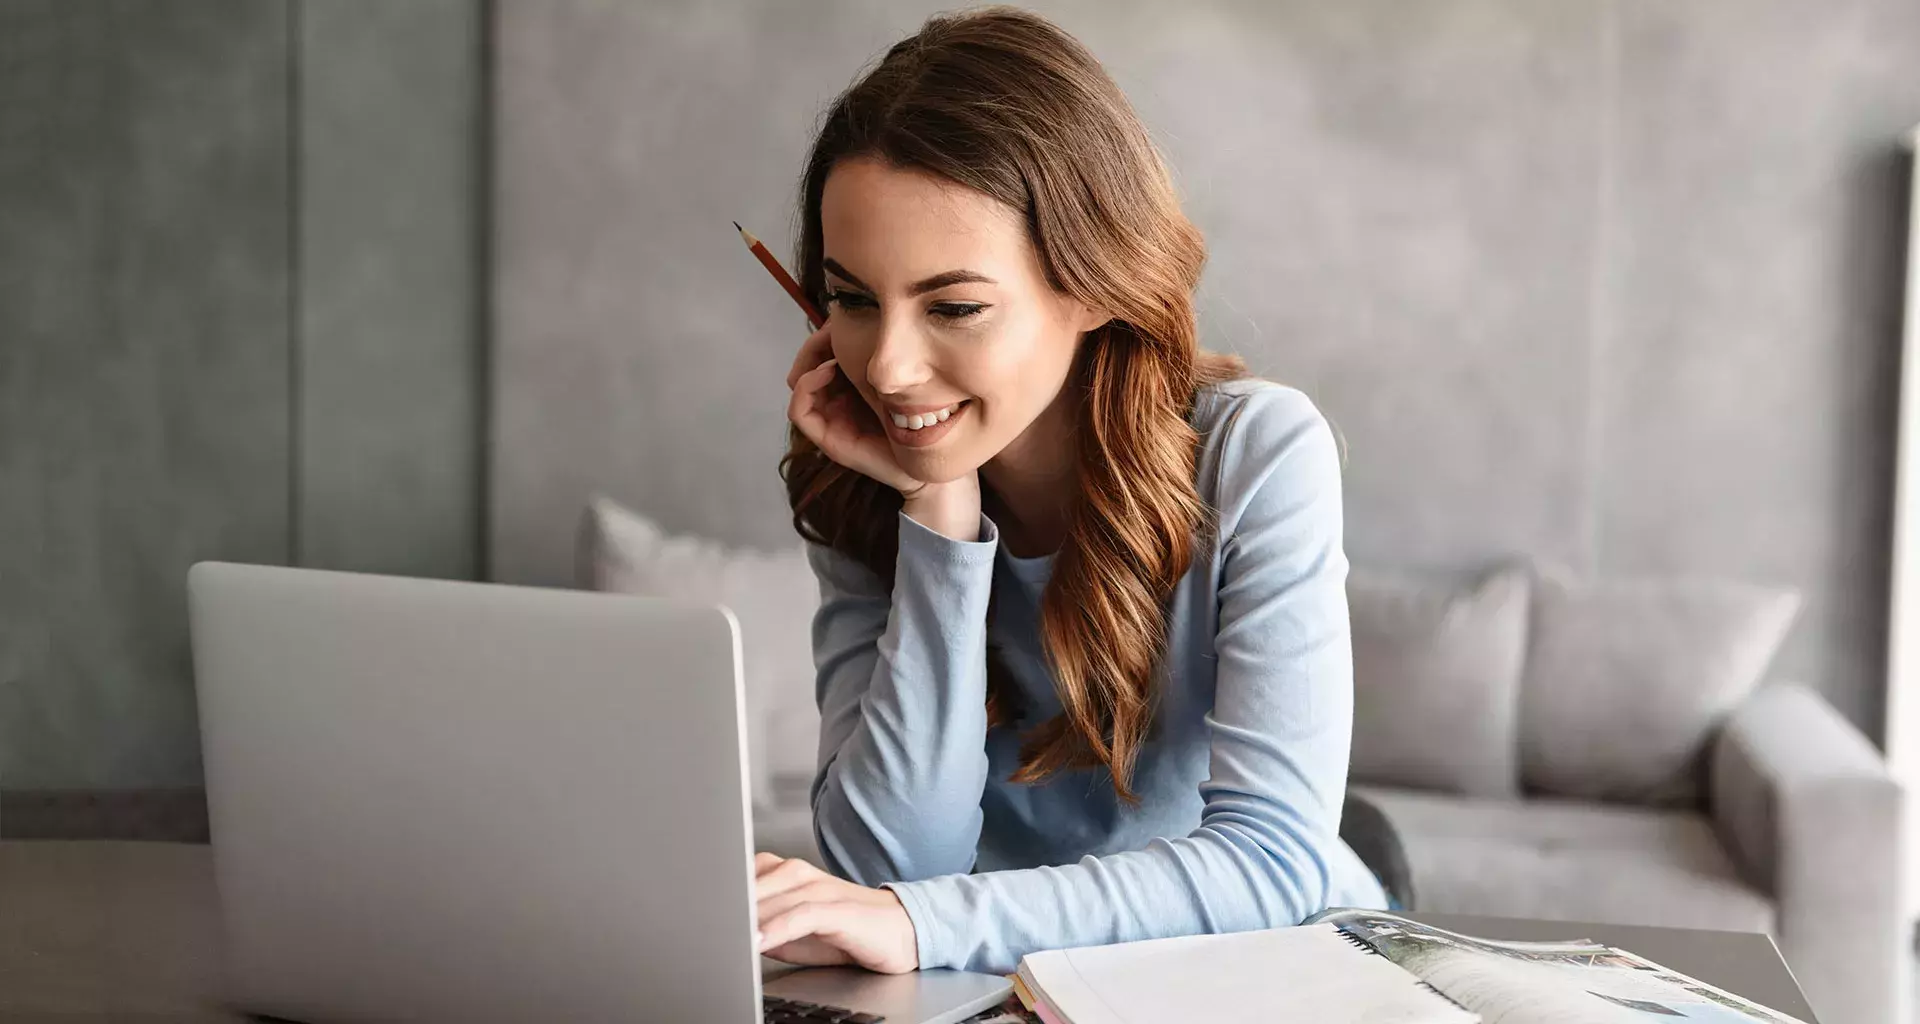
1004,102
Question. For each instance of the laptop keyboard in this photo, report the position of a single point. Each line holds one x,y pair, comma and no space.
794,1011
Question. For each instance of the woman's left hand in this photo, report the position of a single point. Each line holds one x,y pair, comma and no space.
810,917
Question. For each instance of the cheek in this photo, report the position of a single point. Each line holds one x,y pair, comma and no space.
1024,372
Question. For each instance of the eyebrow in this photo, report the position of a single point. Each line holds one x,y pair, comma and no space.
934,283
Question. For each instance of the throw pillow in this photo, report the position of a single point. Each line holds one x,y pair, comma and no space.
773,594
1626,681
1436,680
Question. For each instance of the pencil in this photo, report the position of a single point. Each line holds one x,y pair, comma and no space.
780,274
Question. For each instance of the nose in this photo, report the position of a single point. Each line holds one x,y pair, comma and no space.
899,361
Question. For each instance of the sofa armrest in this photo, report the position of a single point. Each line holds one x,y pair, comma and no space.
1807,807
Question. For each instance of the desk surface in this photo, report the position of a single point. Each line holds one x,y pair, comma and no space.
128,931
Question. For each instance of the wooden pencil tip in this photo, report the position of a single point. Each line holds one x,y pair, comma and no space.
737,227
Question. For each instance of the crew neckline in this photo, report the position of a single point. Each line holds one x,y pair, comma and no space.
1031,569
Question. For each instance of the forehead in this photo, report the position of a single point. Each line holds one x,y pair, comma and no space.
889,225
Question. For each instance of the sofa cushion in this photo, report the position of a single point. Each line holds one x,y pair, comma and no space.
1626,680
773,594
1556,859
1436,680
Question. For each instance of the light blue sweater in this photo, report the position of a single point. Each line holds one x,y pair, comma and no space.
1240,782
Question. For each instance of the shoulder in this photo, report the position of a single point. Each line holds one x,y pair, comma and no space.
1258,432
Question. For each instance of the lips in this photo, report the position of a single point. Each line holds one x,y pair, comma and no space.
925,417
908,437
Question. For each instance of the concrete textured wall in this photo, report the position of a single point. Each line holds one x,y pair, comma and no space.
144,341
391,116
237,321
1612,283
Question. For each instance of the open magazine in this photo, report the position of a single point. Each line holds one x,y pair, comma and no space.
1368,965
1527,982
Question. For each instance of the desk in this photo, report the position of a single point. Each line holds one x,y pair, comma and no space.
122,931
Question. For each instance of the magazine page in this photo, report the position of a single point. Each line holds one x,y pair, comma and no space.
1537,982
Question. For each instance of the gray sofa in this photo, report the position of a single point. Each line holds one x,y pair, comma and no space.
1799,839
1558,749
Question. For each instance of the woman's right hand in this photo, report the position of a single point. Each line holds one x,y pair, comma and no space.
830,412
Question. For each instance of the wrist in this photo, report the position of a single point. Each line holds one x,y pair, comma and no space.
911,947
911,934
950,508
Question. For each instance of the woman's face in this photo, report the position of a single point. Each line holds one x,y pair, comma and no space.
937,299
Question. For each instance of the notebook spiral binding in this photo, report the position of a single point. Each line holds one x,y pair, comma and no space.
1363,946
1358,943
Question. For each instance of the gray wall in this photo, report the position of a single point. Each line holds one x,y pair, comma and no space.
1608,282
391,318
237,320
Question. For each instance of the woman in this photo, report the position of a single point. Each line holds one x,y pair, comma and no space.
1084,668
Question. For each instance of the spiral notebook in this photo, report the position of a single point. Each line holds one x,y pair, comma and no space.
1365,965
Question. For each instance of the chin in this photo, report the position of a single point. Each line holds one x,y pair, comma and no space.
936,469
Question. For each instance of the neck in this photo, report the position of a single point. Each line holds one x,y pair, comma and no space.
1030,484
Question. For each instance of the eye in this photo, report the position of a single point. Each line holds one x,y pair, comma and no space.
953,312
847,300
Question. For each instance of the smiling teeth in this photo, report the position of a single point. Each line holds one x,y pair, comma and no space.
925,419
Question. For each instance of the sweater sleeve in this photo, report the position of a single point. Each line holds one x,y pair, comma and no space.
1280,730
901,684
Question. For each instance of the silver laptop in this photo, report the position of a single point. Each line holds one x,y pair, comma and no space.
442,801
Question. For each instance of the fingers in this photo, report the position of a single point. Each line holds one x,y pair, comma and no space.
785,877
826,920
807,950
845,929
841,424
818,346
782,884
807,407
772,905
804,920
816,379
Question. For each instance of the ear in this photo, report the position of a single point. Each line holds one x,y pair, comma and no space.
1086,318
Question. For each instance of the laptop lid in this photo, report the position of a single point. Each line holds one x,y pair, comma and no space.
442,800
